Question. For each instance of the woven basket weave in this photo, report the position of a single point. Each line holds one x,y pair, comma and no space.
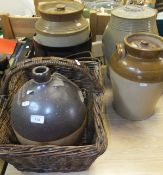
52,158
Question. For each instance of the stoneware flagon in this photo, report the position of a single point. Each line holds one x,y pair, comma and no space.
48,109
136,72
125,20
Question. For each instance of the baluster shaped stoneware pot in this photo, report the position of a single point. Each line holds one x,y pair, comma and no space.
136,72
125,20
48,109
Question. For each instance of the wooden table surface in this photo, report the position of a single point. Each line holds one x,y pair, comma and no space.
135,148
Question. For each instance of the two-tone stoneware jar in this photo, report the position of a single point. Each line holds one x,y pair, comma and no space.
126,20
48,109
136,72
61,27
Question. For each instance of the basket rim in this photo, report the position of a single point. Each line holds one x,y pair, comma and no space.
47,61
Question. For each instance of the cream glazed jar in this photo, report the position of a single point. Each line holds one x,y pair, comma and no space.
136,71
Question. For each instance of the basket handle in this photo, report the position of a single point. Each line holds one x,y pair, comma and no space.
50,61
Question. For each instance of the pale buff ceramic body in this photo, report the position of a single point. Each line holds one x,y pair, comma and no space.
66,141
63,41
134,100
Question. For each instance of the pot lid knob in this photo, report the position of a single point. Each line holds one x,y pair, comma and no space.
144,43
60,7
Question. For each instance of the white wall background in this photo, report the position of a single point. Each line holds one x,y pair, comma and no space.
17,7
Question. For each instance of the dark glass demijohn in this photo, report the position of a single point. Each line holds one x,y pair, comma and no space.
48,109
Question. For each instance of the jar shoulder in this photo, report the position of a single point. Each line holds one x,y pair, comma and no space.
138,69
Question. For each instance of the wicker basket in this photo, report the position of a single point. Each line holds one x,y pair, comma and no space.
52,158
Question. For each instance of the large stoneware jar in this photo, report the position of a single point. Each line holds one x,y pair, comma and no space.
125,20
48,109
61,27
136,72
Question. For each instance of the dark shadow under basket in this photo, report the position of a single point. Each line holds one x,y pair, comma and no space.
51,158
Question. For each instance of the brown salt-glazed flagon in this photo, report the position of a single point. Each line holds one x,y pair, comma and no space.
48,109
136,70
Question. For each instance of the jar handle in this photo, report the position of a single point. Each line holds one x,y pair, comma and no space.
121,50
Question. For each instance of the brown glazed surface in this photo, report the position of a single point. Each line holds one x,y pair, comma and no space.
139,58
61,10
47,107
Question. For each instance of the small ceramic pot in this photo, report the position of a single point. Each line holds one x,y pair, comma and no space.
125,20
61,24
48,109
136,73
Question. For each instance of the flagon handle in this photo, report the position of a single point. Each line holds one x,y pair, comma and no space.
95,85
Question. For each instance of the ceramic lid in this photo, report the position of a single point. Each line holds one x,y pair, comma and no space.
134,12
140,58
60,10
144,45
